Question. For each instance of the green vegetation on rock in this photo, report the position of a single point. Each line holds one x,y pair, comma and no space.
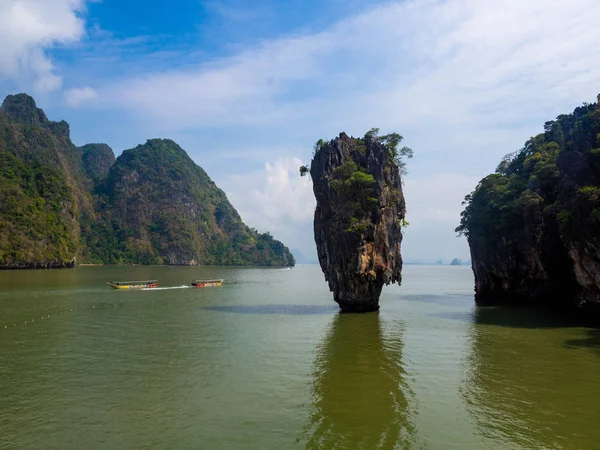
356,190
36,215
156,206
390,142
534,225
359,214
153,205
353,187
40,188
527,180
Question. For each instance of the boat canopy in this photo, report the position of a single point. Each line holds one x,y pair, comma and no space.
124,283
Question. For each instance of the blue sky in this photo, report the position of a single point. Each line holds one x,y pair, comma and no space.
246,87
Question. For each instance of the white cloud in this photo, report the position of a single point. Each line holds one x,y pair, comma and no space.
276,199
460,61
78,96
465,81
27,29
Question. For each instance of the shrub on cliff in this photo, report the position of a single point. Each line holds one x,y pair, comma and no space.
389,141
534,225
500,199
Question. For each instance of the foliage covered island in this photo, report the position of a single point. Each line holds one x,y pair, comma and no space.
61,205
534,225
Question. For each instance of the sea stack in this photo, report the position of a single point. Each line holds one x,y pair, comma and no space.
359,214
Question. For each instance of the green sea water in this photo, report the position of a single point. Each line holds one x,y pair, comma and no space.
267,362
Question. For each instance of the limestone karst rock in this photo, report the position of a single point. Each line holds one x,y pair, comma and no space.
358,218
533,226
62,205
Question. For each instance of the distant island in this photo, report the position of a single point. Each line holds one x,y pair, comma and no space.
61,205
534,225
438,262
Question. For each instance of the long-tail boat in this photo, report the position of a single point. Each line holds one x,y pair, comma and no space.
206,283
145,284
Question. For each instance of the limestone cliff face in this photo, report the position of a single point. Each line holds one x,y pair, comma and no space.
97,160
579,193
358,218
61,204
156,206
533,227
528,265
42,189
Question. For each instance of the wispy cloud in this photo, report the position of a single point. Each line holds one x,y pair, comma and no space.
465,62
237,12
78,96
277,199
28,28
464,81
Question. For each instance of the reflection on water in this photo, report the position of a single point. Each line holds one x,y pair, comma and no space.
524,317
360,398
532,381
591,341
266,360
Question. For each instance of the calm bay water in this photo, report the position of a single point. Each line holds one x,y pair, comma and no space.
267,362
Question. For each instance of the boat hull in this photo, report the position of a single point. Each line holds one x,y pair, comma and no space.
206,283
132,286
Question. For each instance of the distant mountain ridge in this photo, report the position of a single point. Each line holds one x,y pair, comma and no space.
61,204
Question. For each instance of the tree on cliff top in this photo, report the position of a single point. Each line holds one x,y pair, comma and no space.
528,179
390,141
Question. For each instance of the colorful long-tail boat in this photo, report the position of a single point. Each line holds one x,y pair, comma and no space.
145,284
206,283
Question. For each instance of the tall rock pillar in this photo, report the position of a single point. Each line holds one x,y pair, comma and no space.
358,218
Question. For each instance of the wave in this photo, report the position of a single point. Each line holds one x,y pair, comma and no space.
166,288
